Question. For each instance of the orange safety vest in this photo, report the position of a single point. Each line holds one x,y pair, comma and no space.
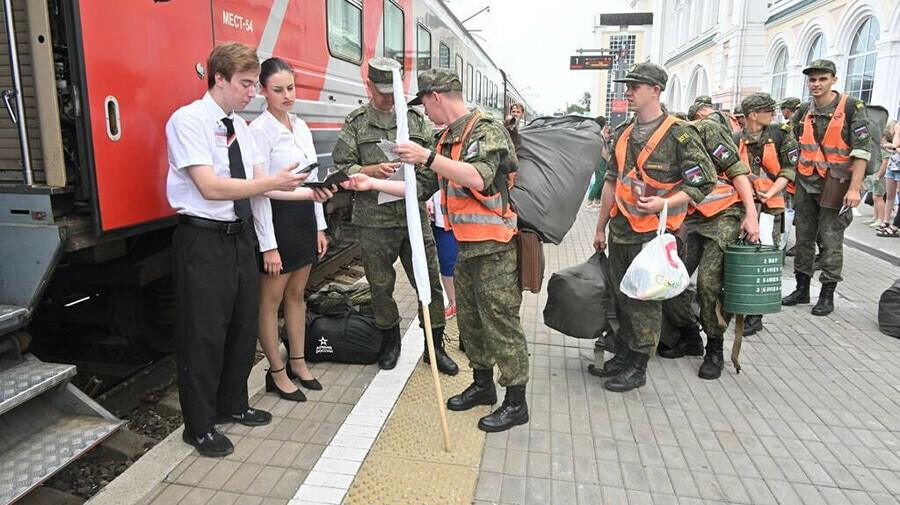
833,153
769,173
471,216
721,197
626,202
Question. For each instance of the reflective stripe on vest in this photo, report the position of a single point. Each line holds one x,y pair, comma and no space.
626,202
770,169
471,216
836,152
721,197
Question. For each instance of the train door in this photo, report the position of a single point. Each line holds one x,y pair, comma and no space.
141,61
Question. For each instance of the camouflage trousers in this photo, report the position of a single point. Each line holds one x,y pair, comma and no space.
488,300
704,253
380,249
640,321
811,220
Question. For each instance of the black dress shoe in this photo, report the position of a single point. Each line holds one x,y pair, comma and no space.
311,384
212,444
249,417
295,396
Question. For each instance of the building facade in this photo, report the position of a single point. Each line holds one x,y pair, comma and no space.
635,39
730,48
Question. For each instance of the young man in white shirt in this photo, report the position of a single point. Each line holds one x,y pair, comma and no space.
215,178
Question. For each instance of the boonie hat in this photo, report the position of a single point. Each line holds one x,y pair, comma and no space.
647,73
821,66
381,75
436,80
756,102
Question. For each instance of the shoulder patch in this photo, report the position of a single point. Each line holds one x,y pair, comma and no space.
721,152
860,105
683,137
472,151
694,176
786,127
862,133
794,155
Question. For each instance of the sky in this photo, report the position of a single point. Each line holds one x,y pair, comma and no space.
532,40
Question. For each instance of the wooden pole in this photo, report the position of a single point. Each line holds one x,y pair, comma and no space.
738,339
439,396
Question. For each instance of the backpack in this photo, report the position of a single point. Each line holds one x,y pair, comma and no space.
557,157
889,311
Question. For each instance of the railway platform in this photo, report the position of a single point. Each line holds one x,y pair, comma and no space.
814,417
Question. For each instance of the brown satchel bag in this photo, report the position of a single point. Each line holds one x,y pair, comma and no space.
833,191
531,261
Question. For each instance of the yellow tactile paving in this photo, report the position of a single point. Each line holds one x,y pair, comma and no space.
408,464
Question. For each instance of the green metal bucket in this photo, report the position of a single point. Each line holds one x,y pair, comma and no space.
753,279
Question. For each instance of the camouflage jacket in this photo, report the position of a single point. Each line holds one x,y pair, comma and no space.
490,150
855,132
357,146
679,151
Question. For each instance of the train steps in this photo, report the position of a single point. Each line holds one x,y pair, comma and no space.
45,424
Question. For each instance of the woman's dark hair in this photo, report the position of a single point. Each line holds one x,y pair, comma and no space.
271,67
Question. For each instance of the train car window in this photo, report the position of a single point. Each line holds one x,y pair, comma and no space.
469,78
444,56
478,86
423,48
393,31
345,29
484,86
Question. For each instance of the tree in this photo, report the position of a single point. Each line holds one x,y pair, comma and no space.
586,101
574,108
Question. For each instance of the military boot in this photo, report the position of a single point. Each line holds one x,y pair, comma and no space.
512,412
390,349
614,366
634,375
790,252
445,363
690,344
825,305
800,294
752,325
481,392
713,362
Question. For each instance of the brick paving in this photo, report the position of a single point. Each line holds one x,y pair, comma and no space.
814,417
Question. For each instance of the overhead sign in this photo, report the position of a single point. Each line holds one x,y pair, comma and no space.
627,19
618,106
585,62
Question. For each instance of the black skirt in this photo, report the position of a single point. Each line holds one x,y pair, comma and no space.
295,231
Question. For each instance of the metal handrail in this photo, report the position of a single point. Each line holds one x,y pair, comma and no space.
19,118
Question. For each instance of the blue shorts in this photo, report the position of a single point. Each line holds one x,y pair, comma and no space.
893,174
447,249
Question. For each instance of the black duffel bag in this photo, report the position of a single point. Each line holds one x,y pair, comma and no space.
579,299
889,311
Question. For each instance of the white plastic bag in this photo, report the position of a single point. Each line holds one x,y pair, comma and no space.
657,273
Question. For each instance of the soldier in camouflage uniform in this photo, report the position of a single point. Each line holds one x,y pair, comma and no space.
649,154
474,156
771,152
788,106
709,228
701,108
846,154
383,234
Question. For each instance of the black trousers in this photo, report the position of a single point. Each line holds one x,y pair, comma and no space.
217,308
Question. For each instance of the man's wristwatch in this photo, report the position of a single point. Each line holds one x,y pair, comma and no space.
430,159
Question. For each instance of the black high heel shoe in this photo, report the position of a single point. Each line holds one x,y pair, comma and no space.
294,396
312,384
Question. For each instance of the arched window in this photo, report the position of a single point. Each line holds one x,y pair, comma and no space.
861,66
779,74
816,51
699,85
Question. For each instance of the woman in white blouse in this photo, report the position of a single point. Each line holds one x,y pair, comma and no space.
292,239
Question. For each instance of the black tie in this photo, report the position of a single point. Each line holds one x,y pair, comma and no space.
236,164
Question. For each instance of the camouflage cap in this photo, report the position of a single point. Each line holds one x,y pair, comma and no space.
381,75
436,80
738,112
695,108
821,66
791,102
647,73
756,102
704,99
